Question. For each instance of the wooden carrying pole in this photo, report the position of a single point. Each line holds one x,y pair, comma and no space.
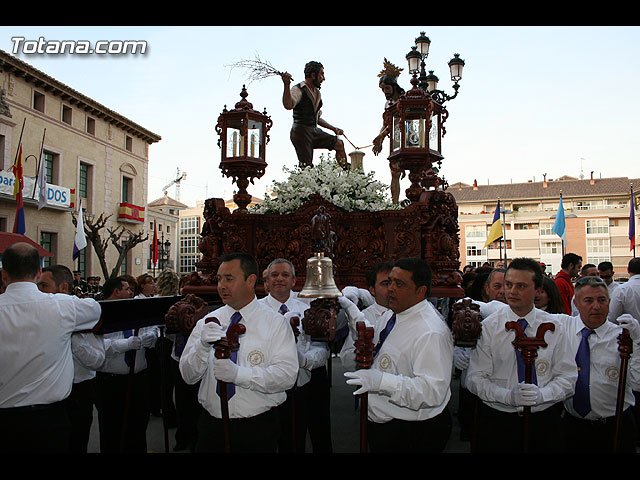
528,347
625,347
223,349
127,405
364,360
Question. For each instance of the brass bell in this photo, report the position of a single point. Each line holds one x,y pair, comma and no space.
319,282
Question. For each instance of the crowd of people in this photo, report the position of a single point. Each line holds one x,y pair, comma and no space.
273,391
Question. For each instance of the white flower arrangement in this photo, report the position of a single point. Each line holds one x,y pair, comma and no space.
352,190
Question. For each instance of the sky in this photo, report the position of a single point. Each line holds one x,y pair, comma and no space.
533,100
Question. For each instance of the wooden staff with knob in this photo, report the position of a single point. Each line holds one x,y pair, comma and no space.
364,360
625,347
294,321
127,404
223,349
528,347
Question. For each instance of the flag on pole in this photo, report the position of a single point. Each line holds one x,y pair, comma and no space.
495,233
19,225
154,253
632,222
559,225
80,241
42,185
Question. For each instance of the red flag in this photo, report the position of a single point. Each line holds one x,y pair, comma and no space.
154,253
19,225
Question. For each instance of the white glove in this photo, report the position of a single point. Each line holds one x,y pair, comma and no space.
369,380
631,324
460,358
211,333
149,339
225,370
354,315
302,360
525,395
126,344
352,293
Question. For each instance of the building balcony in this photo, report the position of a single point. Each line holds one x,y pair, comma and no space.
129,213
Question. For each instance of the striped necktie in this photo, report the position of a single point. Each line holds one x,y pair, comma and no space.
385,333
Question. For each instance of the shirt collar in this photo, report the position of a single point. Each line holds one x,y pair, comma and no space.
411,310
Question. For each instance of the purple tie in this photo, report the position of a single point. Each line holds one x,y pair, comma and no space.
283,309
581,400
385,333
231,388
521,368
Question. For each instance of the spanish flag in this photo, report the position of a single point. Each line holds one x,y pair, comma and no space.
19,225
496,228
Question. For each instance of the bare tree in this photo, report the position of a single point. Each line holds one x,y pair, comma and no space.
122,238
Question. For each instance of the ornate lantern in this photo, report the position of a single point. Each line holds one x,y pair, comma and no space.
243,134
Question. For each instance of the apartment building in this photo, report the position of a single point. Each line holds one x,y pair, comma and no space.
596,218
91,154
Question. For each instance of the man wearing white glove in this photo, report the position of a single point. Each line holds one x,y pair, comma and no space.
408,384
375,314
114,382
589,420
496,373
265,367
311,395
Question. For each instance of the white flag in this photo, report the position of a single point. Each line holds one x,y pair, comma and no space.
42,185
81,240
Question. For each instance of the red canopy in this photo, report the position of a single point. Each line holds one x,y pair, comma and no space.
7,239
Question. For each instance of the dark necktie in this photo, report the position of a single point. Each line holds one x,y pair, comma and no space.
231,388
521,367
385,333
129,354
283,309
581,400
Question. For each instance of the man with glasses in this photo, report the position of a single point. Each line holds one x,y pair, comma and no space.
590,414
605,272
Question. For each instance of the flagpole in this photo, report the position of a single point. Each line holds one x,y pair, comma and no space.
502,238
19,142
504,234
632,221
35,184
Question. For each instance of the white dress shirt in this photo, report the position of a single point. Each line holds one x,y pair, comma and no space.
626,299
416,361
267,352
604,368
36,365
115,362
88,355
377,316
311,355
493,370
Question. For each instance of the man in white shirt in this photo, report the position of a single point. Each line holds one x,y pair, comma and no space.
626,299
88,355
122,382
265,368
493,374
605,272
589,421
409,381
311,394
35,354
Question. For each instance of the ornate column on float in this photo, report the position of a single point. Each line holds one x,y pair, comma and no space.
243,134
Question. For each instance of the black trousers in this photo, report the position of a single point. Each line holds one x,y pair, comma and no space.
35,429
188,409
501,432
306,138
257,434
80,408
596,436
401,436
123,414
